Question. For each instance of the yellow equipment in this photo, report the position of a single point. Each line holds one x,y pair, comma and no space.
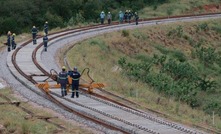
88,86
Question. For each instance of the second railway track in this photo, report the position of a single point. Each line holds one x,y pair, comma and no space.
25,63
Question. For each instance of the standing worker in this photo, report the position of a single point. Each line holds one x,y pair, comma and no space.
126,15
121,16
109,17
45,40
136,18
63,80
102,15
46,28
34,31
129,16
13,41
9,41
75,75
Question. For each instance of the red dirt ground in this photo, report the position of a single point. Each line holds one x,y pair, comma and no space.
209,8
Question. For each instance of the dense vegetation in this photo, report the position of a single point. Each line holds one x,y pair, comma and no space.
21,15
174,68
192,78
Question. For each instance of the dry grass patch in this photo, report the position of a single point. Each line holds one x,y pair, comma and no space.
13,119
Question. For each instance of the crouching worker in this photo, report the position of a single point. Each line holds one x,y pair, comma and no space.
75,75
63,81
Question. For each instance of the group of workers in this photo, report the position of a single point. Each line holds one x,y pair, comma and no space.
11,41
63,81
34,31
11,38
123,17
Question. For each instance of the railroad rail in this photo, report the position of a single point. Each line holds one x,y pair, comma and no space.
30,113
141,121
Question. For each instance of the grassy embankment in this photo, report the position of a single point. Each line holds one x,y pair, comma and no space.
181,42
13,119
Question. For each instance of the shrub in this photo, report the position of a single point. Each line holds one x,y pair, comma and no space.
125,33
206,55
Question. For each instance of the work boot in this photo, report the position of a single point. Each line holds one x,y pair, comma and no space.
62,93
72,96
65,93
77,94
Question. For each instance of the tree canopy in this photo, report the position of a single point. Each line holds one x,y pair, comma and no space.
20,15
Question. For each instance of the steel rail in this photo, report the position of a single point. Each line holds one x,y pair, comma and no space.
31,113
51,98
103,97
45,72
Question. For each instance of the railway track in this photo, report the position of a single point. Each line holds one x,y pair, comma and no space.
25,63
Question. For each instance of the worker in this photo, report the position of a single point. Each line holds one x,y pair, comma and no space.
129,16
13,41
63,81
109,17
34,34
102,16
136,18
45,41
126,15
9,40
121,17
46,28
75,75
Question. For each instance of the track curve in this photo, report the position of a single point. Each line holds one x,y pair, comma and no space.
24,61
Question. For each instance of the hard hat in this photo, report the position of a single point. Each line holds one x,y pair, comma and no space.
13,34
75,68
102,12
46,22
9,32
63,67
108,12
33,26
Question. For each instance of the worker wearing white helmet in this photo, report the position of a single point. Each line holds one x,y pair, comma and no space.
34,31
63,81
46,28
102,16
75,75
45,41
109,17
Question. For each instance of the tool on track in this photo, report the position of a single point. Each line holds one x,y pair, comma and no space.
89,86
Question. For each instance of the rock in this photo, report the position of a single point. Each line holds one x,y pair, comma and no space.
2,129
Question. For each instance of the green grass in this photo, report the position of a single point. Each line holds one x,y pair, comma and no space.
105,68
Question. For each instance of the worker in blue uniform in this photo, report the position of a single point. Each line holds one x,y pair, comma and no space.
75,75
121,17
45,41
34,31
13,41
129,16
136,18
46,28
9,40
102,16
63,81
